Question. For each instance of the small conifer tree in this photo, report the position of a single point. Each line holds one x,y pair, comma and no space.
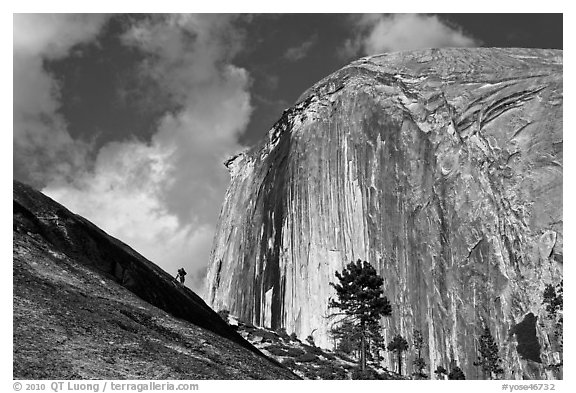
224,314
456,373
398,345
440,372
419,362
488,358
310,340
553,299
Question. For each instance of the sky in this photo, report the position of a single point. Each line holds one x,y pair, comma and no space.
127,119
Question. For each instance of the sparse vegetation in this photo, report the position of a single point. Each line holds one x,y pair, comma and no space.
307,357
310,362
294,352
329,372
276,350
367,373
267,336
282,333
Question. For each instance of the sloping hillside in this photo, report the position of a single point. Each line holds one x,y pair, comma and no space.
88,306
305,359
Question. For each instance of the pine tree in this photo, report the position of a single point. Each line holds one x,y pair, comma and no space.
440,372
488,358
376,340
554,301
398,345
419,363
456,373
360,298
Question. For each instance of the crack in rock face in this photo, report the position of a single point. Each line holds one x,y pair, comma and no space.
442,168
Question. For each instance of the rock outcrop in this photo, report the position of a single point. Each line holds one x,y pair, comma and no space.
88,306
442,168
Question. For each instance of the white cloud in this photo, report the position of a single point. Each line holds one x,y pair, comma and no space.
299,52
52,35
123,196
163,197
375,33
42,146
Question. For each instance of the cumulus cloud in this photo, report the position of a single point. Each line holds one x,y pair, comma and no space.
162,197
298,52
123,195
191,57
375,33
43,148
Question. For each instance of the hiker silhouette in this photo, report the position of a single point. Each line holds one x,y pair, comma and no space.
181,274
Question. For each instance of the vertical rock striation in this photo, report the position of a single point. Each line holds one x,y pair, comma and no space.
442,168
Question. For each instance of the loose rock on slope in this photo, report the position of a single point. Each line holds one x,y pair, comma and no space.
442,168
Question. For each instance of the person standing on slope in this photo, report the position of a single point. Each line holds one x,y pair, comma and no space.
180,275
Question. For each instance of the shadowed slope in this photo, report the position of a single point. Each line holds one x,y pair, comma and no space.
76,314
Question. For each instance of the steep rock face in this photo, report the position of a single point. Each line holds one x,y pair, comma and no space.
442,168
88,306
